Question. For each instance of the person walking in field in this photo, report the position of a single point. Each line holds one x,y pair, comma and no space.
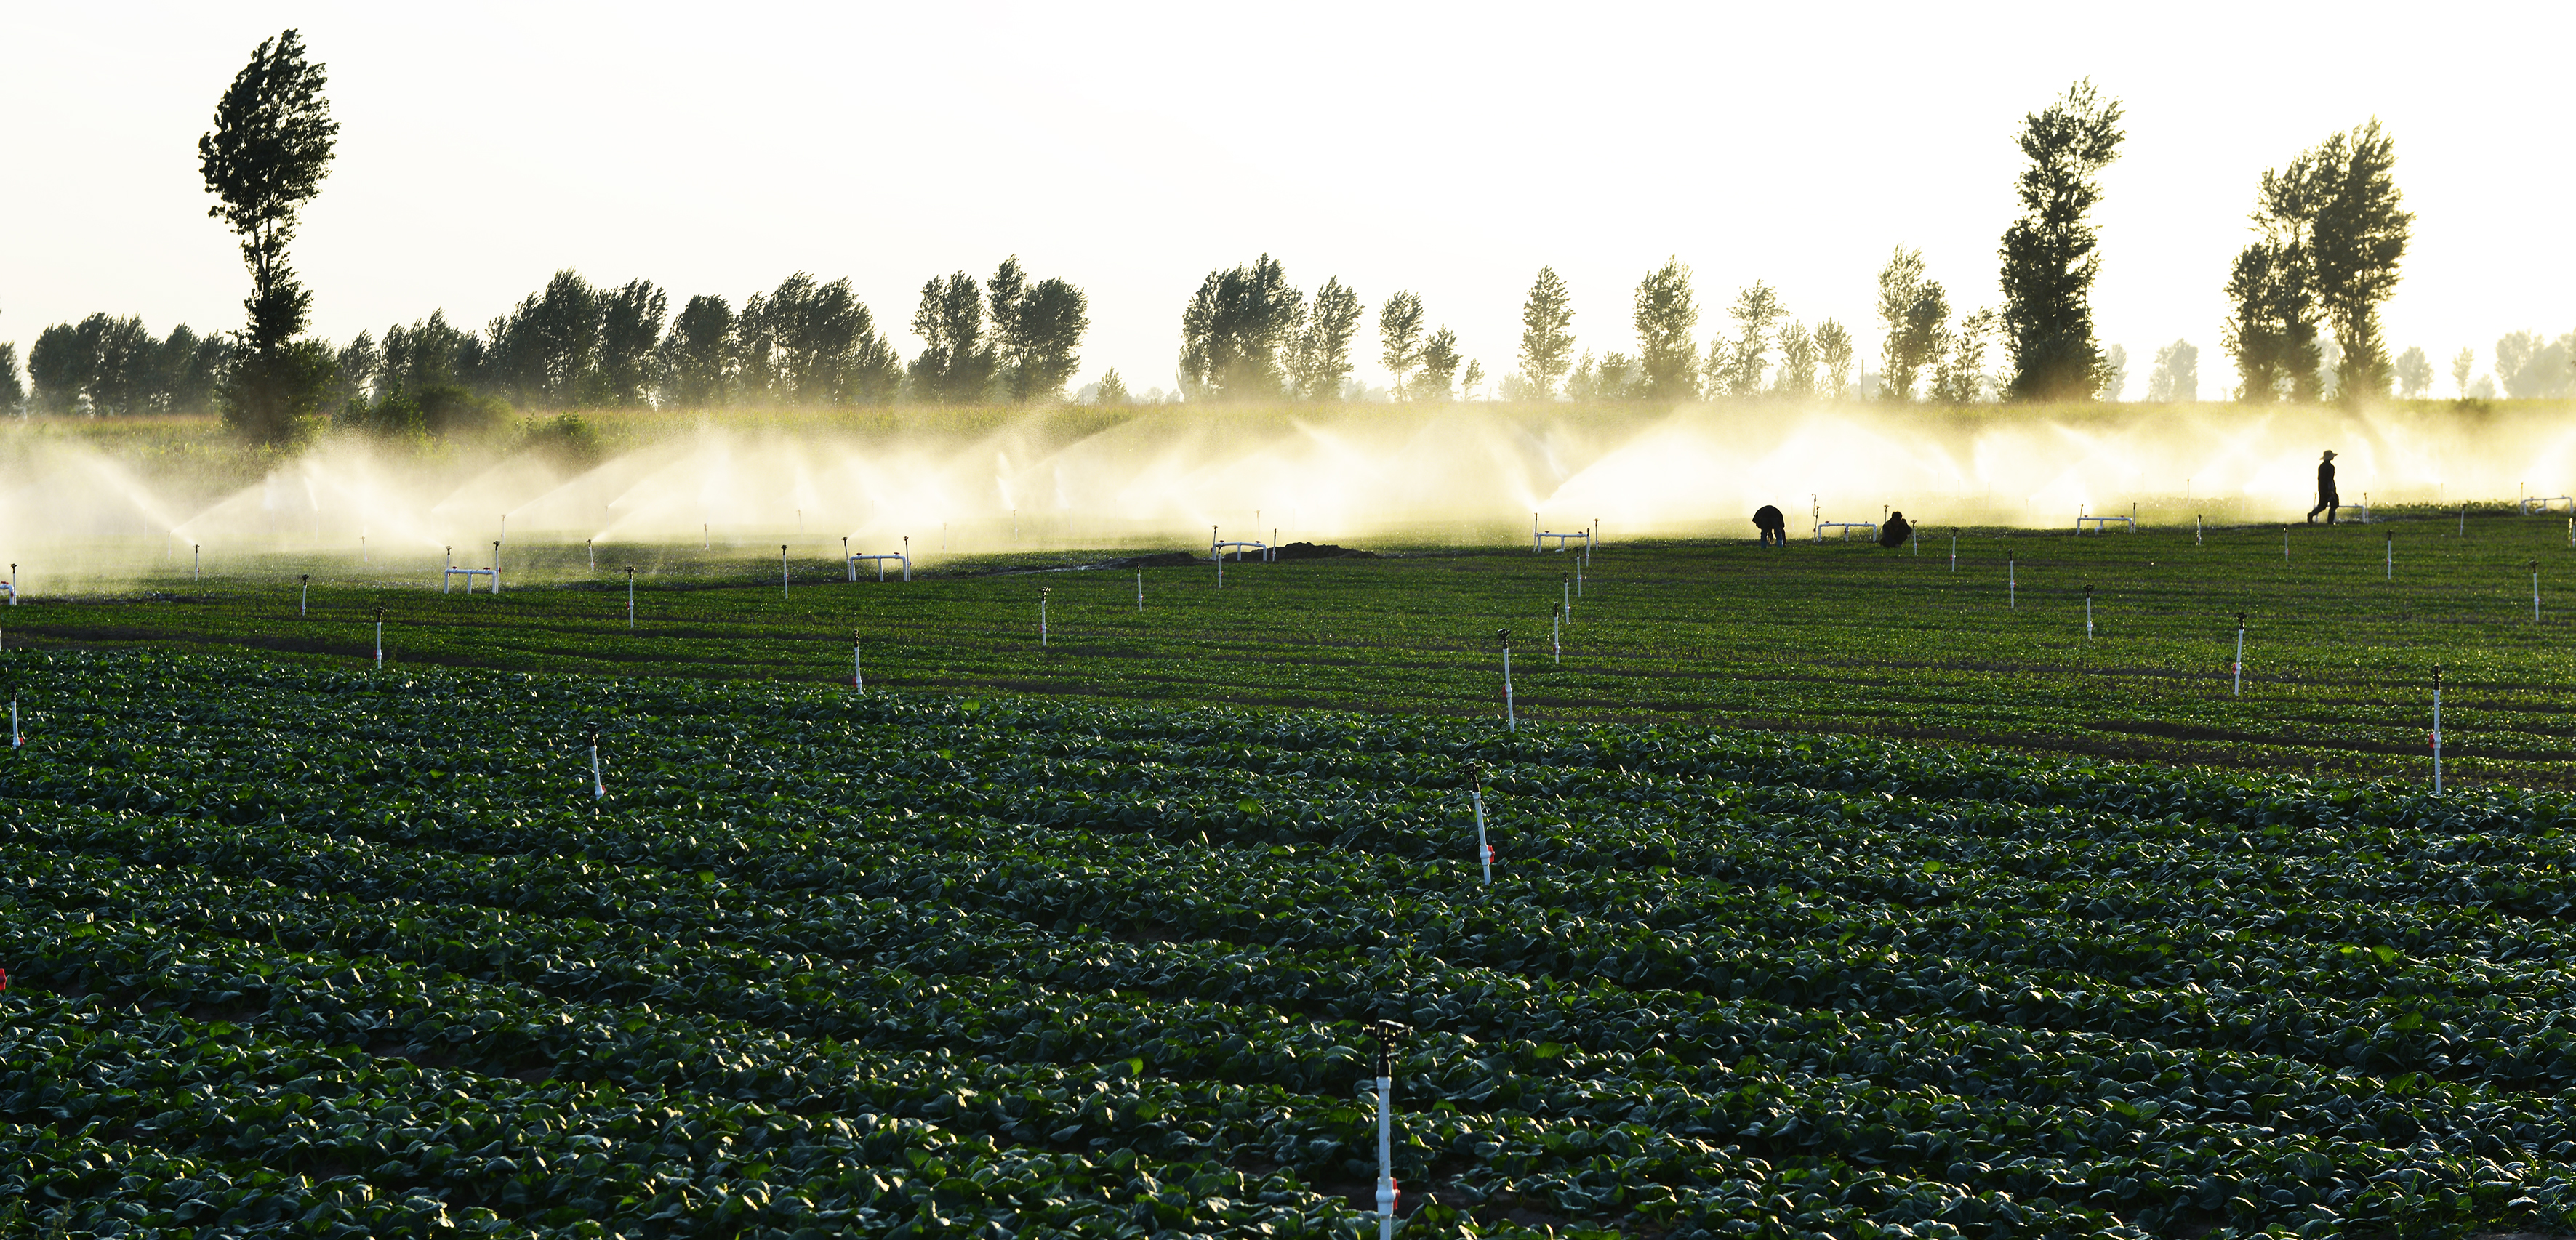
2326,501
1774,527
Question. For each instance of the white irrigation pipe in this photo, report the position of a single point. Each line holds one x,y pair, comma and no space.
590,548
630,598
2285,546
858,674
2195,529
1484,851
496,568
1556,635
1511,719
782,570
2239,690
846,561
907,558
2392,555
598,786
2535,591
196,562
1140,591
13,585
2088,613
1565,589
301,600
2012,582
2437,729
1042,601
1385,1138
17,741
380,639
1954,551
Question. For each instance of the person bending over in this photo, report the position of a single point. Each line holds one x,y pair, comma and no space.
1774,527
2326,501
1895,531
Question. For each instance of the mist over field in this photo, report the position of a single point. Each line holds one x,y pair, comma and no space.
94,511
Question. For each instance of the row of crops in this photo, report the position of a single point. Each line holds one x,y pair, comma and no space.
332,952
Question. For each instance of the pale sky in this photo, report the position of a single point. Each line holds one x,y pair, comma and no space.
1450,150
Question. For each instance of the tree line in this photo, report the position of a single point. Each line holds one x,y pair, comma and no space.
2331,233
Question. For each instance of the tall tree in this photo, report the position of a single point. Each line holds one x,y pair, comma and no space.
1037,331
2360,236
1735,367
264,159
955,365
431,353
2272,332
2414,373
2463,365
1665,315
1547,333
818,346
1235,329
1797,374
1916,313
545,351
2049,254
13,394
630,329
355,369
2115,371
1399,334
1959,377
1439,360
697,354
2176,377
1320,360
1834,349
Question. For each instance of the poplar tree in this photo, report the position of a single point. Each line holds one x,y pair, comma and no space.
1320,360
2049,254
1547,333
1665,316
1399,334
264,159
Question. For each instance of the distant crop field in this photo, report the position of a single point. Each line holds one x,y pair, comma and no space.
2342,635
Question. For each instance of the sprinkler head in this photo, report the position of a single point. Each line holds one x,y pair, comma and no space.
1504,636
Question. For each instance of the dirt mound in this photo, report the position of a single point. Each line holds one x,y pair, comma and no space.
1319,551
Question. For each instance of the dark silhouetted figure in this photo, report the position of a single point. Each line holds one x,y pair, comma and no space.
1895,531
2326,501
1774,527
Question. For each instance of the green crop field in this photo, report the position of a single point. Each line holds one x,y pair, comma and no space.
1834,895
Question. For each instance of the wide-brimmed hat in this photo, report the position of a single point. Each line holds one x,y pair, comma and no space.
2329,454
